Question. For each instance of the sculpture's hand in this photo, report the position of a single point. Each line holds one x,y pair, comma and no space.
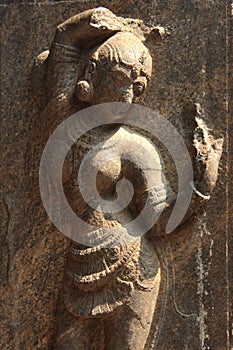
88,28
208,154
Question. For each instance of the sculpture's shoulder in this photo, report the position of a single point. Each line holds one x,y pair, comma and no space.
137,143
132,135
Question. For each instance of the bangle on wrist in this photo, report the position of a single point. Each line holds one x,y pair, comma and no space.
204,196
65,53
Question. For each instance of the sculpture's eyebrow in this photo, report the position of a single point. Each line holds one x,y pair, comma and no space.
125,71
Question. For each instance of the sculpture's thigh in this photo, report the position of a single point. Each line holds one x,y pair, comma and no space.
79,333
130,327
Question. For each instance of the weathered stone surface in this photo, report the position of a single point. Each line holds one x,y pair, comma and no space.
189,79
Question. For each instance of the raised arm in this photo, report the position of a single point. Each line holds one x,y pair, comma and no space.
66,61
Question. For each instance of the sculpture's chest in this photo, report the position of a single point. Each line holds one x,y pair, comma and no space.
92,155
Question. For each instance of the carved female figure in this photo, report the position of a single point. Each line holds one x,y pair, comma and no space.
110,294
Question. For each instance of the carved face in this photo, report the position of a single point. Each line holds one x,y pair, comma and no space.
116,85
118,71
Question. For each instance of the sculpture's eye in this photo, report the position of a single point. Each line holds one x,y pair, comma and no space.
92,67
121,79
138,88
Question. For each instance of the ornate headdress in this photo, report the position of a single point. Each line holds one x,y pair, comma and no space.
127,49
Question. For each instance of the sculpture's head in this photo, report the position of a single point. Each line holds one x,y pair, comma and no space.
119,71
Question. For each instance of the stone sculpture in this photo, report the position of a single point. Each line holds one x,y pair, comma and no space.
109,299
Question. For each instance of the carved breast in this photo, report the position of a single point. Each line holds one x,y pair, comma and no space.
107,176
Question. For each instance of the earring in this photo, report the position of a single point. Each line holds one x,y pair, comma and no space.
84,90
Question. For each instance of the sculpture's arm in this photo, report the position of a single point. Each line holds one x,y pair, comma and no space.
143,169
152,196
72,39
141,165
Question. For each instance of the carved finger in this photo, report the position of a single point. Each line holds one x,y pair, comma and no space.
217,146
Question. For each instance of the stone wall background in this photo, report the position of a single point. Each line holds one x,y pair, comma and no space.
190,67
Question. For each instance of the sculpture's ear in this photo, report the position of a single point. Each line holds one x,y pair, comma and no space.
84,87
84,90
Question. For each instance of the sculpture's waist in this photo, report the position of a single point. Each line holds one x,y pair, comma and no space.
99,280
91,268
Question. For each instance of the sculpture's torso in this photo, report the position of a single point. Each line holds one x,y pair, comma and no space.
98,280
